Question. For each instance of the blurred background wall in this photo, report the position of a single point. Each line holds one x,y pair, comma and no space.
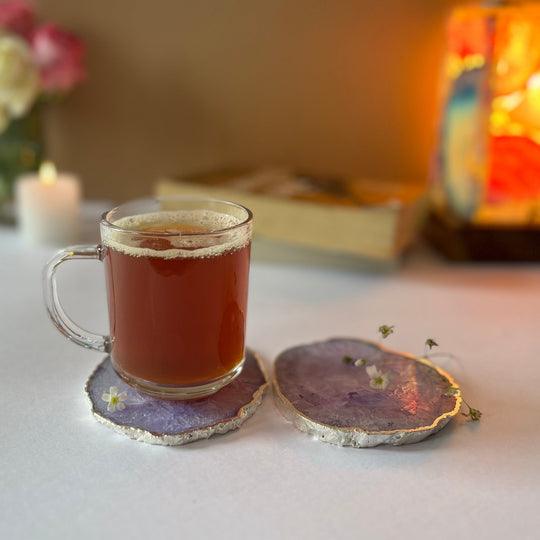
180,86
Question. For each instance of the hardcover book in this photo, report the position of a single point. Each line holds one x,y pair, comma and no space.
374,219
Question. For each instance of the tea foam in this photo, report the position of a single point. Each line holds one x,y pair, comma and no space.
214,240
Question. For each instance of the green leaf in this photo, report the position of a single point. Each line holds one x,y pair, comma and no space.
473,415
386,330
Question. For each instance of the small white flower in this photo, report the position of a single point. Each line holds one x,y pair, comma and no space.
372,371
114,399
359,362
377,379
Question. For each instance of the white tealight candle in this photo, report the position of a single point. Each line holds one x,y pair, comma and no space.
48,206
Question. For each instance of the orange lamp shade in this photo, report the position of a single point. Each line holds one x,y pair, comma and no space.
488,161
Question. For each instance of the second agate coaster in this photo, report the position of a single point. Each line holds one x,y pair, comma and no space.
167,422
335,402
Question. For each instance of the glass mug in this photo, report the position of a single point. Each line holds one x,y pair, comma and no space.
177,285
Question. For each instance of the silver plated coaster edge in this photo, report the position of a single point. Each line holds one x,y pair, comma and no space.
142,435
358,437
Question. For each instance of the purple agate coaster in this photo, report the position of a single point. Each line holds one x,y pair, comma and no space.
167,422
323,395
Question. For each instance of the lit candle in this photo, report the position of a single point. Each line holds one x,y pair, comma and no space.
48,206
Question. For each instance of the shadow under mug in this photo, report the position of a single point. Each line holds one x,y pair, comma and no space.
177,283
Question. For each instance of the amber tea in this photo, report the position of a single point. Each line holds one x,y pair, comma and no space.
177,316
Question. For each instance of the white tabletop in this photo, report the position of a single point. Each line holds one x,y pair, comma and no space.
63,474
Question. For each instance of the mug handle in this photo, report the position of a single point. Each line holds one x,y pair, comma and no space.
60,319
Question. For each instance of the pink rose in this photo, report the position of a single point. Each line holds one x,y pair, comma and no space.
60,58
17,16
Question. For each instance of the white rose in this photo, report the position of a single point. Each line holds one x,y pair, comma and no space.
19,77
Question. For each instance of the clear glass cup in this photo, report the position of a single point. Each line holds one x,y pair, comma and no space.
177,274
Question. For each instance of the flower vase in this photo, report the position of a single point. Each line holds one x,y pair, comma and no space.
21,151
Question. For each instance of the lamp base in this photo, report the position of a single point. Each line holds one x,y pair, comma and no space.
469,242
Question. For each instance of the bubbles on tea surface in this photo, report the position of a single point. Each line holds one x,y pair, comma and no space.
178,221
172,234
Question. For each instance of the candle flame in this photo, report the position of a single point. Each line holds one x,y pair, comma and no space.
47,173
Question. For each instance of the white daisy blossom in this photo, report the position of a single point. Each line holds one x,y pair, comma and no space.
114,399
377,379
372,371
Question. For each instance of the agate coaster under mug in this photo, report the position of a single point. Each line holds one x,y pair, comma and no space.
167,422
334,399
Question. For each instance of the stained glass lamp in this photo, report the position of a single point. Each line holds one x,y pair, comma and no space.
486,197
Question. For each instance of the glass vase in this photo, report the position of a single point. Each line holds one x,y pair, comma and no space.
21,151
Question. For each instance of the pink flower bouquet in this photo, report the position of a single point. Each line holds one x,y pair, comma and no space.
35,60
